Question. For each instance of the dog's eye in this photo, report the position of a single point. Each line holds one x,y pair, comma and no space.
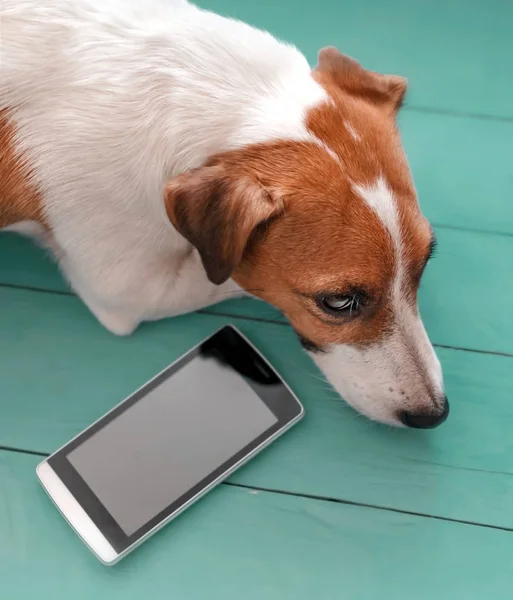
339,304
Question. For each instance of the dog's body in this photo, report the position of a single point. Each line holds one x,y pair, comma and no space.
107,108
118,118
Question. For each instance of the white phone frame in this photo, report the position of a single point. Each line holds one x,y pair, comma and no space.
87,530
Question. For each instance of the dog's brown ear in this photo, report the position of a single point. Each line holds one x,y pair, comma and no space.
217,213
347,73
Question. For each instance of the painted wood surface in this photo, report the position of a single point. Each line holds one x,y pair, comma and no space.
239,543
432,516
60,370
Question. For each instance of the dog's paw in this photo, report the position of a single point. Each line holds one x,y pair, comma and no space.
115,322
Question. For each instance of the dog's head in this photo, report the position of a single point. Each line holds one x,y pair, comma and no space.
328,229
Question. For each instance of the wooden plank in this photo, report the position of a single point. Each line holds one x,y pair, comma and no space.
59,371
241,544
462,168
456,54
464,297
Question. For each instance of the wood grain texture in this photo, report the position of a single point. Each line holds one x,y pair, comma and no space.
60,370
241,544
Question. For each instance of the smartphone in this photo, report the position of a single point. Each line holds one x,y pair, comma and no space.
174,439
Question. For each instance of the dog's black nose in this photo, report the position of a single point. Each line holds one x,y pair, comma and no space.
425,420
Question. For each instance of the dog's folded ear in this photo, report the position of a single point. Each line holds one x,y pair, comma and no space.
217,213
347,73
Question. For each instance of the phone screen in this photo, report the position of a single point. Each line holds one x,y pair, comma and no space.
168,441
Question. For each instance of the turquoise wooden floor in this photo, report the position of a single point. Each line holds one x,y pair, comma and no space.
339,508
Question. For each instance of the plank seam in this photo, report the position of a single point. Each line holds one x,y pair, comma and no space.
506,234
228,315
23,451
368,505
316,497
447,112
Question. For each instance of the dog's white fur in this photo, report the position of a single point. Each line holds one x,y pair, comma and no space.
111,99
176,84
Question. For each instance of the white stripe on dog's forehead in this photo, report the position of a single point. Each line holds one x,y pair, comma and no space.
380,198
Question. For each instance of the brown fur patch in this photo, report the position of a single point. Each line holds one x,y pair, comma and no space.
19,198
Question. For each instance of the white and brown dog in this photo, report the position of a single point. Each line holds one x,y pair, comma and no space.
171,157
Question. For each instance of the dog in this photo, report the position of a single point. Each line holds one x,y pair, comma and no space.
171,158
